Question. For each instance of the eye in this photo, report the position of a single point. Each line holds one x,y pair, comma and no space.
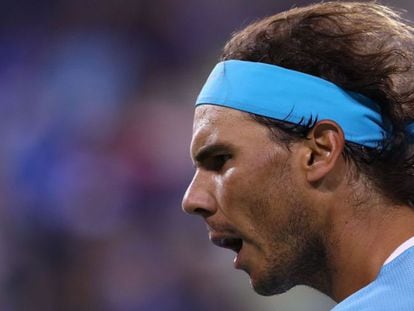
216,162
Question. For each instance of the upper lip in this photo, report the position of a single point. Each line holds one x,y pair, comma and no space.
226,241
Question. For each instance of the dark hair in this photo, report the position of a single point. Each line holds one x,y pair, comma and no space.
363,47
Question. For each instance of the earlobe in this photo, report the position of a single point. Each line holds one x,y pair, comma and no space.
325,144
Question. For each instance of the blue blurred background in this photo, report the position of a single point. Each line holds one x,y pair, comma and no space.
96,104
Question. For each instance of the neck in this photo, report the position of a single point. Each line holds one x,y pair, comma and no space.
360,240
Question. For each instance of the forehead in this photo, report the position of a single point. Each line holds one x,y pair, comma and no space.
211,116
221,125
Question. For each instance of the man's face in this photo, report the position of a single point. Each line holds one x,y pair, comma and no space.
247,188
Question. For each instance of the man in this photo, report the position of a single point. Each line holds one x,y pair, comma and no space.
303,149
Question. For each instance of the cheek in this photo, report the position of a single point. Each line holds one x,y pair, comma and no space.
229,186
270,196
246,193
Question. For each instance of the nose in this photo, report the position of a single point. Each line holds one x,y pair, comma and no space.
198,198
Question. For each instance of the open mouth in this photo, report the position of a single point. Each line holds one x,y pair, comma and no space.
234,244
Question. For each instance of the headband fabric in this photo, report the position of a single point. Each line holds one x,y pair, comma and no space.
295,97
410,132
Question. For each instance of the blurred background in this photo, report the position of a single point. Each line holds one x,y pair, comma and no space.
96,104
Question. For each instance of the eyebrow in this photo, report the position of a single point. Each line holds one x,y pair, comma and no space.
209,150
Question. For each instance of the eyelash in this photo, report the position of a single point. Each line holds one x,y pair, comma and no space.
217,162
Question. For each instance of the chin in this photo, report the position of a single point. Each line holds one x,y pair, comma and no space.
270,286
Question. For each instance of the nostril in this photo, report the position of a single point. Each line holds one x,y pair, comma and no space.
200,206
198,200
202,212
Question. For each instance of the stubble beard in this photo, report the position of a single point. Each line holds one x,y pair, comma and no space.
300,256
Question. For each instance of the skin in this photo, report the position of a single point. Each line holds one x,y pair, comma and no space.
303,217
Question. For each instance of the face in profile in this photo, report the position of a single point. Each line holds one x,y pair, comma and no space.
247,187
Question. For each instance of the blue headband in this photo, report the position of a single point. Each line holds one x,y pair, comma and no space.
295,97
410,131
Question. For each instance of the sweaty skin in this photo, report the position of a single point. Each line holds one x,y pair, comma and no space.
244,190
293,216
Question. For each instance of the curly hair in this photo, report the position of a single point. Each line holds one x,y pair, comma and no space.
363,47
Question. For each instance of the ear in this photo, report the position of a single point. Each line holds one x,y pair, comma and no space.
325,144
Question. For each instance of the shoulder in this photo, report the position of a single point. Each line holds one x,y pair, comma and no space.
392,290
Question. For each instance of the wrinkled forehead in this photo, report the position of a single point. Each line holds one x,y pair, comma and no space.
217,124
212,121
212,115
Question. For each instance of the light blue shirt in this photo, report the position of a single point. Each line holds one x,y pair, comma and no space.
393,289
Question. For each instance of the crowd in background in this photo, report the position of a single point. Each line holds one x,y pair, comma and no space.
96,104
